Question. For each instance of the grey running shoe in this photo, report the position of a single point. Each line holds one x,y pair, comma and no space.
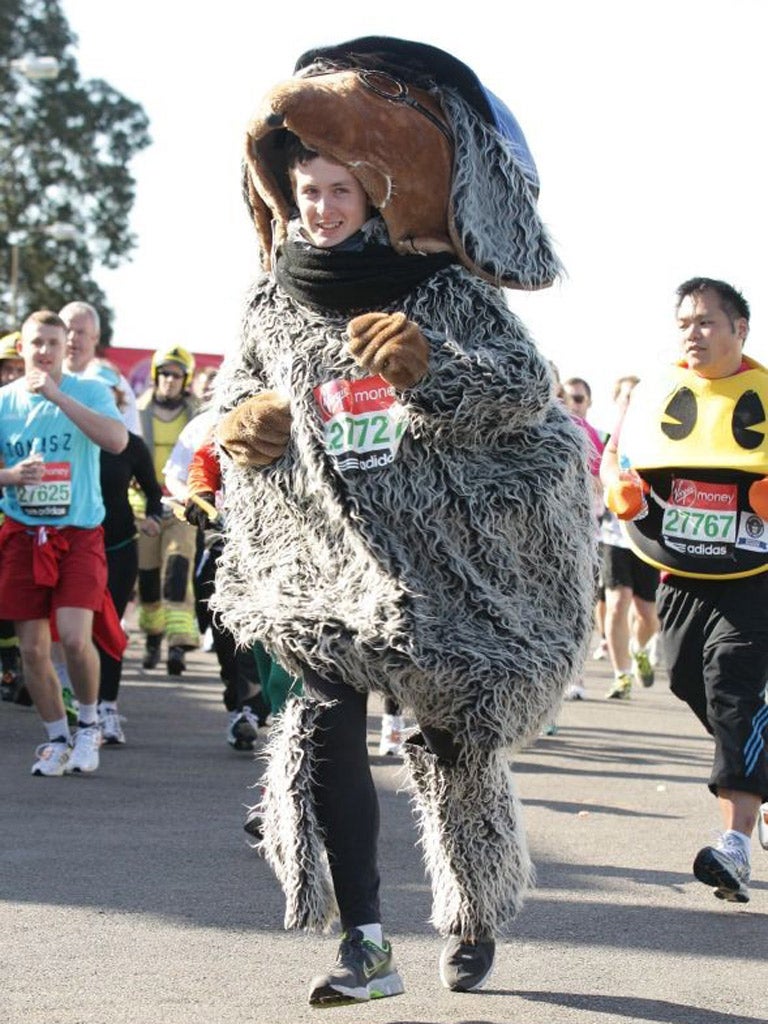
466,966
362,971
726,870
111,725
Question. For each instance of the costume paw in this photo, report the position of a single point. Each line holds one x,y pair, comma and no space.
625,497
758,497
196,513
389,344
258,431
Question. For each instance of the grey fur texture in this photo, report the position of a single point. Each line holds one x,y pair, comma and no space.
473,839
458,579
445,580
495,222
292,839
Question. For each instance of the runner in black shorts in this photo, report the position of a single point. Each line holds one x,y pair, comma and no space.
695,500
622,568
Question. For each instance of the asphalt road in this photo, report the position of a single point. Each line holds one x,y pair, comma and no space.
132,896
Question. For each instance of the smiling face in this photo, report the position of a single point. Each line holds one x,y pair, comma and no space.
711,343
332,203
42,348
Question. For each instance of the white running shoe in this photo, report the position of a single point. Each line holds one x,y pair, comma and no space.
575,692
85,752
621,688
391,742
726,868
600,653
243,730
762,826
110,723
52,758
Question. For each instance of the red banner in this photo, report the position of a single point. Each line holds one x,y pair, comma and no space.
134,363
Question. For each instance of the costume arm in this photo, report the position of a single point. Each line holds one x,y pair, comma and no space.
486,378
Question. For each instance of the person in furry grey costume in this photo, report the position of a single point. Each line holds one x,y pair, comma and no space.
438,570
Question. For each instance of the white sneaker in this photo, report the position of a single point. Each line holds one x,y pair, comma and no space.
575,692
52,758
243,730
726,869
391,742
85,752
762,826
600,653
110,723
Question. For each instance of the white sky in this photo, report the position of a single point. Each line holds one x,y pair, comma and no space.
646,122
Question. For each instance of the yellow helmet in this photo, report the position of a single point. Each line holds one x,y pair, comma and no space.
175,354
9,346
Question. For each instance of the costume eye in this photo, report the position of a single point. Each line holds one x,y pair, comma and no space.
749,412
682,413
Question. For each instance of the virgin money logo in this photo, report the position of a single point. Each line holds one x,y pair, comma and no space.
684,493
703,496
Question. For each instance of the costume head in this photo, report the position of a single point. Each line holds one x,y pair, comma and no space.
442,159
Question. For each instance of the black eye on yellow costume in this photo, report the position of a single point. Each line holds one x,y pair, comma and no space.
681,409
679,419
749,412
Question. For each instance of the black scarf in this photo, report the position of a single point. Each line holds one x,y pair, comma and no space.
352,281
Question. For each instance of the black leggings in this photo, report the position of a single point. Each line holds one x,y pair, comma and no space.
122,567
345,797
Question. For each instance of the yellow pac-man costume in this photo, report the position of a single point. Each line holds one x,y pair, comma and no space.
700,444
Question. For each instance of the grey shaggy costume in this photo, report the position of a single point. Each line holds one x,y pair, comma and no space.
456,579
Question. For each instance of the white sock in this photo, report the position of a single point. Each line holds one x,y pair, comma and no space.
58,730
107,705
624,672
373,932
86,715
736,839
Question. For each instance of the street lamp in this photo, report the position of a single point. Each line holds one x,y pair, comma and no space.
59,231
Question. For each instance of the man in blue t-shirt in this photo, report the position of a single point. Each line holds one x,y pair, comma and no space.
52,426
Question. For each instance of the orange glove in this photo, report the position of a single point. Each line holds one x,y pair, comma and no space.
389,344
758,497
258,431
624,496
